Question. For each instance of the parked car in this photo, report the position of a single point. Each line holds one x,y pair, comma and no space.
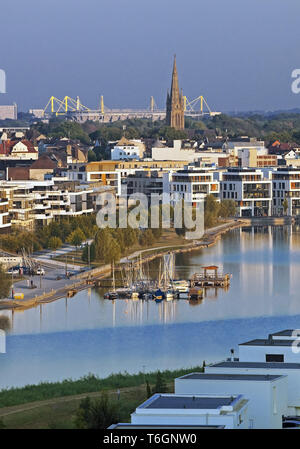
13,271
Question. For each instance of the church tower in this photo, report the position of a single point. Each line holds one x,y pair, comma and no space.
175,103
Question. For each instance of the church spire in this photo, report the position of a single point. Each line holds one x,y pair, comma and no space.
174,85
175,104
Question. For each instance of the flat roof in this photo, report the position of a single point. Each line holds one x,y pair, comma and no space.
284,333
163,426
188,402
247,377
270,365
267,342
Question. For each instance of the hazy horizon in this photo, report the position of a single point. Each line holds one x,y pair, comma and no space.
239,55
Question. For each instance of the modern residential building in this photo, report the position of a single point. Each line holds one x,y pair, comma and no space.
270,350
5,222
286,191
145,181
250,189
230,411
191,184
290,370
267,393
37,203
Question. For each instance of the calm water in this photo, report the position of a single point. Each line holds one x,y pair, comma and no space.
70,338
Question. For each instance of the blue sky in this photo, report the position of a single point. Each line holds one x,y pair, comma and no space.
239,54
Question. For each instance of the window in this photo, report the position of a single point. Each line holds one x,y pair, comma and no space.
274,358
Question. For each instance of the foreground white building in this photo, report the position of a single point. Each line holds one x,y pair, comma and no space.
290,370
267,393
270,350
175,409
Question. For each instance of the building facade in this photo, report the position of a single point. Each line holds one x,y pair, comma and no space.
250,189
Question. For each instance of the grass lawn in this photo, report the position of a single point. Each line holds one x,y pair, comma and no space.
53,405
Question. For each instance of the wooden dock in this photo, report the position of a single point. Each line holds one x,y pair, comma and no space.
210,277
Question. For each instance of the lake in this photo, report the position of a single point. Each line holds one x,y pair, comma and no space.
72,337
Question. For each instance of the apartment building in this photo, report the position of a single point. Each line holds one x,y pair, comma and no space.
37,203
286,191
5,222
290,370
250,189
192,184
267,393
127,149
114,174
269,350
147,182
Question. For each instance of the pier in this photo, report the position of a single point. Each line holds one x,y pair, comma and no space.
210,277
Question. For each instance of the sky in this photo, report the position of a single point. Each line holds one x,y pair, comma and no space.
238,54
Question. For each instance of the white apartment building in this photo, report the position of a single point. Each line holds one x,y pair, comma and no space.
238,147
267,394
127,149
174,153
191,184
286,191
5,222
290,370
251,191
275,348
229,411
39,202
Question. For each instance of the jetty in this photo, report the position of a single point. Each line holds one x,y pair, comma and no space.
210,277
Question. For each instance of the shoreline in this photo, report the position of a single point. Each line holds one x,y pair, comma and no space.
88,279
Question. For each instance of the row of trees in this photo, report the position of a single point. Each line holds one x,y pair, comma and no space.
73,230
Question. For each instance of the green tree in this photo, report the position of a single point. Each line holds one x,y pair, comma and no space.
76,237
91,156
227,208
98,414
148,389
107,247
285,205
146,238
160,385
54,243
211,211
2,425
85,253
5,283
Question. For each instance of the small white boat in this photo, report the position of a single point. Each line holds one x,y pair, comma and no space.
135,296
181,286
169,295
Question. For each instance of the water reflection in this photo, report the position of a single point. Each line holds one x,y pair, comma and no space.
264,263
74,336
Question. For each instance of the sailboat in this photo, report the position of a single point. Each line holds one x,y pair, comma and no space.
112,294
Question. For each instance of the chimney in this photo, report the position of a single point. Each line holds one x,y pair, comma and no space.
232,355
